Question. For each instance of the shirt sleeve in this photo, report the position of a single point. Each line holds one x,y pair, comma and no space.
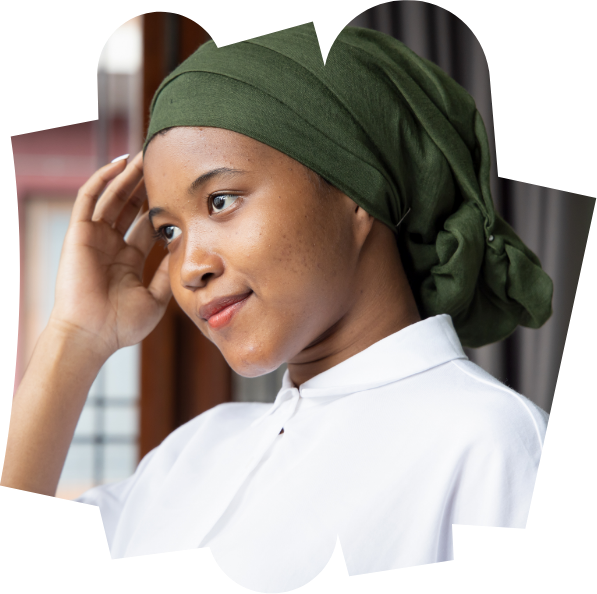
495,484
112,497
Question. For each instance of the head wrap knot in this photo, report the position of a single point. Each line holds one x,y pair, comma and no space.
393,132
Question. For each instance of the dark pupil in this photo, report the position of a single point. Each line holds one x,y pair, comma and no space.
219,201
168,231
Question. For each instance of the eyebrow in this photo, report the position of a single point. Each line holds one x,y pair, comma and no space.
220,171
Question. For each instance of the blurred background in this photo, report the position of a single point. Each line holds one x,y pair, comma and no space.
146,391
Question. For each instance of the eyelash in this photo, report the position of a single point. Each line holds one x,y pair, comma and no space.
158,234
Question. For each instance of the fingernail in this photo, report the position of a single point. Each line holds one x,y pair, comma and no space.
120,158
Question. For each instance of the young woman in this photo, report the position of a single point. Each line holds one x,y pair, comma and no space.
338,219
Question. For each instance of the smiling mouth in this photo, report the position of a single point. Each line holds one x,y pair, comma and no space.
221,318
217,305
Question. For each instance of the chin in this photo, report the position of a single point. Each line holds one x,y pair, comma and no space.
251,372
247,369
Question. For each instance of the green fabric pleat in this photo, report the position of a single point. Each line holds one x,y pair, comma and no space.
393,132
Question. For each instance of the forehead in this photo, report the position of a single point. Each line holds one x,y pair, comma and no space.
203,148
183,159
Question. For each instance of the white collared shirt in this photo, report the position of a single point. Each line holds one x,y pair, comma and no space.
386,450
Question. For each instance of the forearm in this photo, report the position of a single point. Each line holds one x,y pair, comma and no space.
46,409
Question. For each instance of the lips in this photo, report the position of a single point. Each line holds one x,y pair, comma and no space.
217,305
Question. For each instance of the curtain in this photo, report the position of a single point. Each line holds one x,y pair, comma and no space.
554,224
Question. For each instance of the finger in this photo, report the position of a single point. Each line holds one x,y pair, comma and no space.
92,189
159,286
131,209
142,235
118,192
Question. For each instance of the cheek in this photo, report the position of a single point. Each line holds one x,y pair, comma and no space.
285,256
294,254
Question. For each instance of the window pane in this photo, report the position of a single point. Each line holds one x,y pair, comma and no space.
121,421
121,374
120,461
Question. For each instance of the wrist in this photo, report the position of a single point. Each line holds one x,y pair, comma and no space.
67,337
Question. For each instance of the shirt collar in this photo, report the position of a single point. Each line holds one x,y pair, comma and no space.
414,349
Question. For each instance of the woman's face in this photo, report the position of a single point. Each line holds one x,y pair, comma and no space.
263,254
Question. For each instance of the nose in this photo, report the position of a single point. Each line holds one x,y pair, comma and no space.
199,266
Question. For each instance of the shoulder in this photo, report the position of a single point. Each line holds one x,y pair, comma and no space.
489,410
460,404
503,402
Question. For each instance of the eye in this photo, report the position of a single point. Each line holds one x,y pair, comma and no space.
222,202
167,233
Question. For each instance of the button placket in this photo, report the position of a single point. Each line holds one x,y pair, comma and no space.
273,425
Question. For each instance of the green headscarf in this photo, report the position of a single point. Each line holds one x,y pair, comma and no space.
394,133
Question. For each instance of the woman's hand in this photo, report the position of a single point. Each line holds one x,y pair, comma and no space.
100,297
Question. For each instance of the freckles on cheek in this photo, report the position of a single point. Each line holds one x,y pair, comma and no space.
302,253
287,253
313,251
